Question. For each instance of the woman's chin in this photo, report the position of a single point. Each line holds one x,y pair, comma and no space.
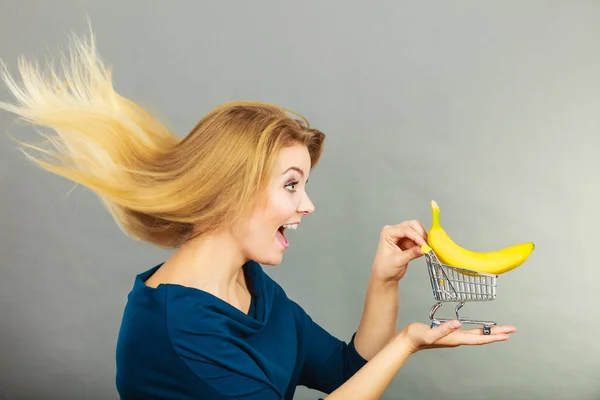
270,259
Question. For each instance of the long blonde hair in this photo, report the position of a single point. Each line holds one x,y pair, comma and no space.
159,188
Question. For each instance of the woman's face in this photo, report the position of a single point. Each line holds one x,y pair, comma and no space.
263,239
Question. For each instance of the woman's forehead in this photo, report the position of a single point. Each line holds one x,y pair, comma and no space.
293,157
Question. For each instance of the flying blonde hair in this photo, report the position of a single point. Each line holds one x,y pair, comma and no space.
159,188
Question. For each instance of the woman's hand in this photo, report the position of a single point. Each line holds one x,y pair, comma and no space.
398,245
420,336
370,382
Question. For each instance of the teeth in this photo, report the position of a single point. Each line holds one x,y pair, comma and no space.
291,226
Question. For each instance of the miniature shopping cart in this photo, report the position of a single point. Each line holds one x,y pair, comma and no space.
452,284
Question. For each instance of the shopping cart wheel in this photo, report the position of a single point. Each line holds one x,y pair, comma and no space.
487,330
434,324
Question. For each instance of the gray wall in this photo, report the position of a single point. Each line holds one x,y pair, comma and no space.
491,108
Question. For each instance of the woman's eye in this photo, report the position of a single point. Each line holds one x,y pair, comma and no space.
291,186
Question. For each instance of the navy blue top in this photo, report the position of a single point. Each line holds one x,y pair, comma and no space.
177,342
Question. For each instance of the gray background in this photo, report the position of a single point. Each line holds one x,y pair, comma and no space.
491,108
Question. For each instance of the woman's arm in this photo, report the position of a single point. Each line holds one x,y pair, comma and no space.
371,380
398,245
378,323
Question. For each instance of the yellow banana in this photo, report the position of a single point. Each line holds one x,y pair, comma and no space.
494,262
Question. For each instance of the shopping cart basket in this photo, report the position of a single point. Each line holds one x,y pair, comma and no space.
453,284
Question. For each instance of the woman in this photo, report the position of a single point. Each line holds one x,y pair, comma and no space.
208,323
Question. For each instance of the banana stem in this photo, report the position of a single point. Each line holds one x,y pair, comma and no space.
435,209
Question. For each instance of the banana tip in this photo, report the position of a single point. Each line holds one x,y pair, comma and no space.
434,205
425,249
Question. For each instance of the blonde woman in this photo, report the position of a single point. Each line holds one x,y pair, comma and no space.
208,323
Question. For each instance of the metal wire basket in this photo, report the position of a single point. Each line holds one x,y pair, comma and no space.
453,284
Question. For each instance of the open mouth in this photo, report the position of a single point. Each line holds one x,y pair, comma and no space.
281,235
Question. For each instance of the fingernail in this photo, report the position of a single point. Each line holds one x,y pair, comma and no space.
454,324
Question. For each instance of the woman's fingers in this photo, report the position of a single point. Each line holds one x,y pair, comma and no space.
441,332
418,226
471,337
398,232
407,239
470,340
495,329
448,334
465,338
